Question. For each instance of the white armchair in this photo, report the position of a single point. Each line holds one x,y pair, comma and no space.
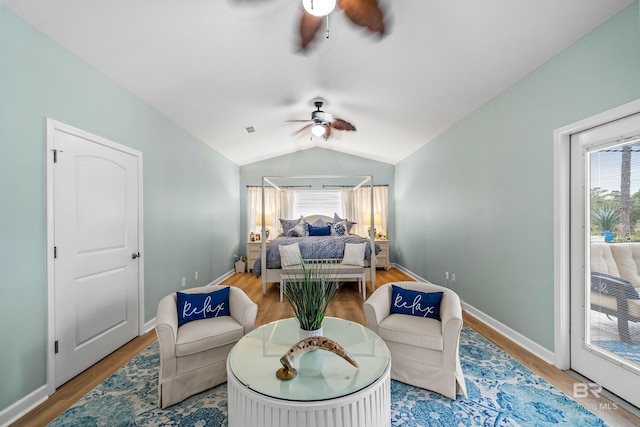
424,351
193,356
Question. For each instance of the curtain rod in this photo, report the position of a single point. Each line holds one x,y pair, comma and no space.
282,186
309,186
351,186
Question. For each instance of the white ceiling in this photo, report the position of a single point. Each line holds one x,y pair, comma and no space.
215,67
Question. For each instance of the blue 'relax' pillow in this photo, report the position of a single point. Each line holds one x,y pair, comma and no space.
319,231
202,306
414,303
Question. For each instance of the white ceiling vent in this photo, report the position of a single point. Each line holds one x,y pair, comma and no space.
249,129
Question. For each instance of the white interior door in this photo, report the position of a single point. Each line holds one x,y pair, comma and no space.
605,197
96,240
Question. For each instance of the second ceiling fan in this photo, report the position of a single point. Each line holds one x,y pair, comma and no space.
322,124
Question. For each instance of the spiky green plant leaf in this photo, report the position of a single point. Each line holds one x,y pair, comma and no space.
310,292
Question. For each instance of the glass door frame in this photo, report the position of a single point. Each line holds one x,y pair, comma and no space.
562,223
562,227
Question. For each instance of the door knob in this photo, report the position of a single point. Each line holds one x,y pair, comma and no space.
135,255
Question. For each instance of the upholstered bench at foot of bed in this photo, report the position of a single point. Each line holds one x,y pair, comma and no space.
335,271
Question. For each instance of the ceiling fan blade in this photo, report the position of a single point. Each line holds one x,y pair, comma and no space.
309,26
298,121
340,124
327,131
365,13
303,129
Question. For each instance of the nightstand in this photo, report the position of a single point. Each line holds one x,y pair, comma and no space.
382,259
253,253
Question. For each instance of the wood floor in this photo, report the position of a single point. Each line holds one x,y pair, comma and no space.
348,305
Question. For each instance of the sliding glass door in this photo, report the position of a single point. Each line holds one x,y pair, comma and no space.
605,257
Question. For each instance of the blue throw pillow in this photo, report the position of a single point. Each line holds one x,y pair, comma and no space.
202,306
414,303
319,231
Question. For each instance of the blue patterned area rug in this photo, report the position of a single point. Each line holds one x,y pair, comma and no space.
502,392
629,351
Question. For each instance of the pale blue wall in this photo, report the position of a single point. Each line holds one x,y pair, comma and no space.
317,161
191,219
478,200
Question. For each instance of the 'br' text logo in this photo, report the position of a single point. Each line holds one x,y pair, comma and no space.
582,390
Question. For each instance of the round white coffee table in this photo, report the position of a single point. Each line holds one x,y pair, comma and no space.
326,391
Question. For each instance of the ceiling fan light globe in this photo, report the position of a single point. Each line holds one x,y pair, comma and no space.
318,130
319,7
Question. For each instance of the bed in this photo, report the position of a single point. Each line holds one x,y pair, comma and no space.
315,247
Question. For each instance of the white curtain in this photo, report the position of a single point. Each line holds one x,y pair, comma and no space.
348,208
286,205
357,207
255,210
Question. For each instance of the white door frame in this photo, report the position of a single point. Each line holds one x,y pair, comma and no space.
52,126
561,221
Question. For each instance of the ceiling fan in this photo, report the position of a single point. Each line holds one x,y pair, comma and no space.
322,124
364,13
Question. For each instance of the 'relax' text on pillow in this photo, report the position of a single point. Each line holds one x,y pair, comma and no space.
202,306
415,303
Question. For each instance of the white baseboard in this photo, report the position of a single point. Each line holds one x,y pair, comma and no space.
410,273
529,345
220,279
20,408
149,326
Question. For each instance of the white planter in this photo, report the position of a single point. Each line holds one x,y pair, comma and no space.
302,334
240,266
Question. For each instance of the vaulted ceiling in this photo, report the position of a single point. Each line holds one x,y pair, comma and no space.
215,67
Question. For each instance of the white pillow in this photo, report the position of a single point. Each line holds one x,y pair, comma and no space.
290,255
354,254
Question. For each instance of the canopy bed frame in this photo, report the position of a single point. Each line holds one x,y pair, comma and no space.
273,275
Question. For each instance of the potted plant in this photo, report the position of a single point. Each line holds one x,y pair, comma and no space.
309,290
606,217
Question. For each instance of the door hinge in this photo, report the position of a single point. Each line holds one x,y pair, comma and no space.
55,252
55,347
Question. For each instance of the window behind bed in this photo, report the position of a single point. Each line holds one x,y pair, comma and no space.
317,202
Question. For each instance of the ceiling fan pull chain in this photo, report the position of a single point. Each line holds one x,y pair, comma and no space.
327,26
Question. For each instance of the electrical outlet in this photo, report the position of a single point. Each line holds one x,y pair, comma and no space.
195,276
453,278
446,275
184,282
